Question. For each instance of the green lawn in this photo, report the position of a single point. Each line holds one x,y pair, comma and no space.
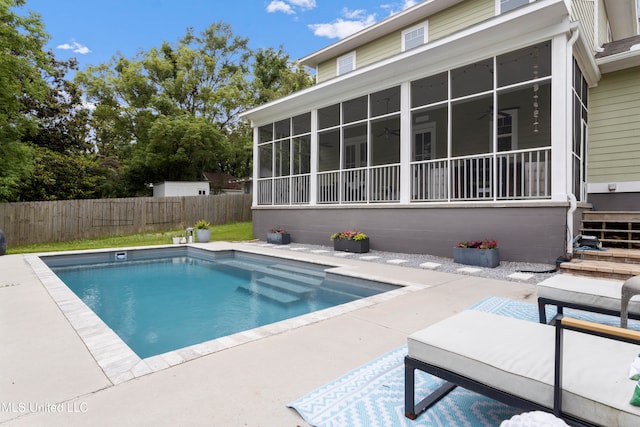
228,232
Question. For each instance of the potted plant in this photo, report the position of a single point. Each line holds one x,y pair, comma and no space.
483,253
203,231
350,241
278,236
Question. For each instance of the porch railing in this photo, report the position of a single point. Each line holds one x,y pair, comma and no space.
524,174
300,189
519,175
384,183
472,178
284,190
513,175
360,185
265,191
329,187
429,181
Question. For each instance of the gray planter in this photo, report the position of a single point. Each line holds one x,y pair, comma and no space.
279,238
356,246
481,257
203,235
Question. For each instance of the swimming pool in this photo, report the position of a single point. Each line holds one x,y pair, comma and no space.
160,300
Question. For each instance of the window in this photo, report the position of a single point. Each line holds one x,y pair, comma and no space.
346,63
507,129
414,37
507,5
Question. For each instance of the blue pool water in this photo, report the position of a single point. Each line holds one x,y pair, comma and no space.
166,303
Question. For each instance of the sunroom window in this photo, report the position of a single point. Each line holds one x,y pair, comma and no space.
284,159
498,115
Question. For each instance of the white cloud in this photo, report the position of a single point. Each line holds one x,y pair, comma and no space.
353,21
289,6
75,47
304,4
280,6
353,14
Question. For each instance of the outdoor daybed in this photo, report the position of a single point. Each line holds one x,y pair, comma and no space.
514,361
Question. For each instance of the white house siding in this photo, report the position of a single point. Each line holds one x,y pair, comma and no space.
614,128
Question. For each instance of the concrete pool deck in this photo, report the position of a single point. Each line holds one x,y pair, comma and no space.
49,377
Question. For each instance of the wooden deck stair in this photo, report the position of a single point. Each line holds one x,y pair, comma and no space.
614,229
619,233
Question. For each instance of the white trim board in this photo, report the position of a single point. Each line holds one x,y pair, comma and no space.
618,187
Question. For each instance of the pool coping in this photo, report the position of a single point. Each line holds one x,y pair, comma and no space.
120,364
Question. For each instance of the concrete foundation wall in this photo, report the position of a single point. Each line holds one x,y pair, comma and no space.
615,201
534,234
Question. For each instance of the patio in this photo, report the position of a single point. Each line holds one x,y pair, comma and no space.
49,377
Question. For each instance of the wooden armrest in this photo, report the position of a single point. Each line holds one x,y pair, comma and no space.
600,329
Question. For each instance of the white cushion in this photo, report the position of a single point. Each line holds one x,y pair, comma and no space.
517,356
586,291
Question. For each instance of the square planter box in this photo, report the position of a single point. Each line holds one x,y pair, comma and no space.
346,245
480,257
279,238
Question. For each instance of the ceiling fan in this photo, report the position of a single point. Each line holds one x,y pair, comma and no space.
489,112
388,133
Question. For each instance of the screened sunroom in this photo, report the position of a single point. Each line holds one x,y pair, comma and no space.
480,132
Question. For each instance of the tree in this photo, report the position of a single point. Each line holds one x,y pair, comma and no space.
22,63
168,113
275,76
66,166
172,112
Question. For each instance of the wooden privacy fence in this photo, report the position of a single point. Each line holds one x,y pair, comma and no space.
64,220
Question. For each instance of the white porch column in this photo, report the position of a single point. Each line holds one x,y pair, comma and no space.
561,127
313,179
405,143
256,164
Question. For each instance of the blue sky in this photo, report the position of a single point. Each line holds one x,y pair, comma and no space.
95,30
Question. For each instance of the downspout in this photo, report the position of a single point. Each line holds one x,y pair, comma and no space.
573,203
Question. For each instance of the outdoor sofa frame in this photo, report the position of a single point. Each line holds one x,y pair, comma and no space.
583,293
562,304
520,398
